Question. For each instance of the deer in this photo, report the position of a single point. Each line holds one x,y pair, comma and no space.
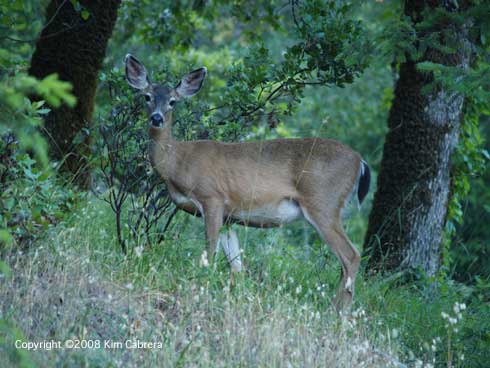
261,184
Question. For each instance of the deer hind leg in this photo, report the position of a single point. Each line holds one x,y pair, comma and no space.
350,260
231,247
330,229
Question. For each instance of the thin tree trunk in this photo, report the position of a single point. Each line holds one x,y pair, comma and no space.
74,48
410,205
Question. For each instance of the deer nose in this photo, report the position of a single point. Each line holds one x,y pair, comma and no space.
156,119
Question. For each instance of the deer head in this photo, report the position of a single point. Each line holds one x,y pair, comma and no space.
160,98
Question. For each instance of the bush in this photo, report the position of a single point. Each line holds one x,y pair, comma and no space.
32,197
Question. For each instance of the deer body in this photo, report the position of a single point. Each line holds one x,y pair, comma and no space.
258,184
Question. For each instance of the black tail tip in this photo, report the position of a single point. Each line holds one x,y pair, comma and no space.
364,182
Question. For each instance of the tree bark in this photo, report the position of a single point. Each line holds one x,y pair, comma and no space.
74,48
407,221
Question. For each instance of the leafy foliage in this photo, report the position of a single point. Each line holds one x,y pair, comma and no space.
22,117
261,85
31,197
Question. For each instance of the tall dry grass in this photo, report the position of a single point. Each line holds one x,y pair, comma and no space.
69,288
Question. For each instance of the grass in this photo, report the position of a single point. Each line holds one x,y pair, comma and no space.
75,284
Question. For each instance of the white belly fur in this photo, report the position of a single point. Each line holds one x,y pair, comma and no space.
286,211
182,200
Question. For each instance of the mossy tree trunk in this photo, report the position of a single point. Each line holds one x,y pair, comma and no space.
407,221
73,44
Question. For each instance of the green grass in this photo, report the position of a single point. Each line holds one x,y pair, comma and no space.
76,284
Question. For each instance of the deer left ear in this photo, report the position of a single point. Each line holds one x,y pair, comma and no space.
136,74
191,83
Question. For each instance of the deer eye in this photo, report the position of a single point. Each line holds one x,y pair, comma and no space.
172,103
147,98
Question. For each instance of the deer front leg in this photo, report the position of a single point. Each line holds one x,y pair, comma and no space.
213,220
231,247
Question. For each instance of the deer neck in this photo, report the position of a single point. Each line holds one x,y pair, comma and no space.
163,150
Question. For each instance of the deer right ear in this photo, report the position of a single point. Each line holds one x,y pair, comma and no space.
136,74
191,83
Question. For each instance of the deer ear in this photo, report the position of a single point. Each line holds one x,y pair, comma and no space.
191,83
136,74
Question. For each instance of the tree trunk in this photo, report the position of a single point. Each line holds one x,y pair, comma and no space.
74,48
410,205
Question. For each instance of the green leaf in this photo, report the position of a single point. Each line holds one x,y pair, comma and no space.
38,104
76,5
9,203
5,237
85,14
5,269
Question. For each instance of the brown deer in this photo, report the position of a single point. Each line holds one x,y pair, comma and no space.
260,184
